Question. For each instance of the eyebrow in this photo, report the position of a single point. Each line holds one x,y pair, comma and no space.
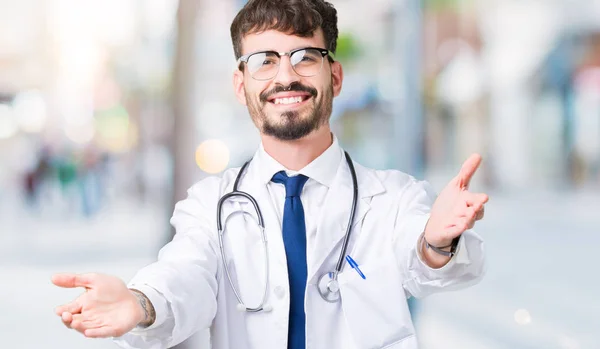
274,50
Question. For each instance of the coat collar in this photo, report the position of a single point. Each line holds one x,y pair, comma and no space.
323,169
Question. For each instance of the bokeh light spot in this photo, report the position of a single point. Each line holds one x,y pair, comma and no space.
212,156
8,124
522,317
30,110
80,134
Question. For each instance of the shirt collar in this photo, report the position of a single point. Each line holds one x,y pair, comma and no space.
322,169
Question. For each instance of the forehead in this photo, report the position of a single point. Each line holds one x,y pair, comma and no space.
278,41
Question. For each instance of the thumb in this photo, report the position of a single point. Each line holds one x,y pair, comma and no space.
468,169
73,280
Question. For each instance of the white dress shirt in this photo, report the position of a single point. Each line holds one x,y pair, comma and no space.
320,172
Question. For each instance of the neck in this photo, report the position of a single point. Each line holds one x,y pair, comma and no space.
295,155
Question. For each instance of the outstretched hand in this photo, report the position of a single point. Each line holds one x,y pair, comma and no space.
456,209
106,309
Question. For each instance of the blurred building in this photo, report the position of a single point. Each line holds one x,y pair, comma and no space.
80,80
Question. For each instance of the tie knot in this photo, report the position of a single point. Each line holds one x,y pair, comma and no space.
293,185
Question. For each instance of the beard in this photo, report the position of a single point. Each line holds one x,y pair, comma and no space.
291,125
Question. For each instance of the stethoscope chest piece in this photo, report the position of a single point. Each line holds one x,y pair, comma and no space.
329,288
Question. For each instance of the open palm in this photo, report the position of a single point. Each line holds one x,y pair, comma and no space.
456,208
106,309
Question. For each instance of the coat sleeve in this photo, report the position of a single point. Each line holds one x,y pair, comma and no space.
466,267
182,284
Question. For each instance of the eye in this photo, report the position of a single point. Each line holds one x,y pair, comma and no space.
269,61
307,56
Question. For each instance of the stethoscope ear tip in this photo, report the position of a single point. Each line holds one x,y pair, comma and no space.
240,307
267,307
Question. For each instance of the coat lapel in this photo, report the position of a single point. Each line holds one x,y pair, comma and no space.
333,222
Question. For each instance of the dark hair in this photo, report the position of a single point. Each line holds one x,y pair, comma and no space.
295,17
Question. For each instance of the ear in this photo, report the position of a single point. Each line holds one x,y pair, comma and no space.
238,86
337,76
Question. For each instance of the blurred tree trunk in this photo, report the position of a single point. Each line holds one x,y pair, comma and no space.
408,122
184,88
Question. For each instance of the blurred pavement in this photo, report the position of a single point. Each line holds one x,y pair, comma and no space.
541,286
32,249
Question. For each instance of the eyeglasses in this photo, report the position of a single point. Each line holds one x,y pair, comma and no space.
264,65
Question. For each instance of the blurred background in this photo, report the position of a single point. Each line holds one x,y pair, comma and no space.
110,110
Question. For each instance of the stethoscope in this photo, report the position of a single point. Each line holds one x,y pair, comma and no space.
327,285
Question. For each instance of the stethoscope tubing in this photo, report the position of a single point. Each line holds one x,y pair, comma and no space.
340,262
260,221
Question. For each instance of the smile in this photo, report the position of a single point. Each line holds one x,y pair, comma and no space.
289,99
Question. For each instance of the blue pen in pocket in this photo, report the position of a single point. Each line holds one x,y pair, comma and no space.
354,266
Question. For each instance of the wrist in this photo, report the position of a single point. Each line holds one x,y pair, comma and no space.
447,249
439,244
145,313
432,236
436,241
434,259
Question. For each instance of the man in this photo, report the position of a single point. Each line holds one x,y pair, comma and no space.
405,244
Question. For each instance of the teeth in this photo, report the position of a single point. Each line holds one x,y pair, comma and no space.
288,100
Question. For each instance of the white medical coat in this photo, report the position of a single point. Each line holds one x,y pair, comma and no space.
190,291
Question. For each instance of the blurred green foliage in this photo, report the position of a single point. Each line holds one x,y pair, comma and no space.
348,48
440,5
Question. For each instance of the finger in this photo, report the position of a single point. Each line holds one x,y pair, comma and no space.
475,199
466,212
467,222
471,223
468,209
101,332
72,280
460,226
78,324
67,318
480,213
73,308
468,169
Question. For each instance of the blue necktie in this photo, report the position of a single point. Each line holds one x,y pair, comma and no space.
294,239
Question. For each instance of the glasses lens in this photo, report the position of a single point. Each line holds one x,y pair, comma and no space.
263,65
307,62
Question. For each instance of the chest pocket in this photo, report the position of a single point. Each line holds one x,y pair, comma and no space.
375,308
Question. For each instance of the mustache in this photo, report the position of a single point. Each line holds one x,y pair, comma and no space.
295,86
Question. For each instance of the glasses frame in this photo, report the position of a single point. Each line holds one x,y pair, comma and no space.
324,52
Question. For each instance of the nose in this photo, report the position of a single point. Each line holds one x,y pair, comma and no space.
286,74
